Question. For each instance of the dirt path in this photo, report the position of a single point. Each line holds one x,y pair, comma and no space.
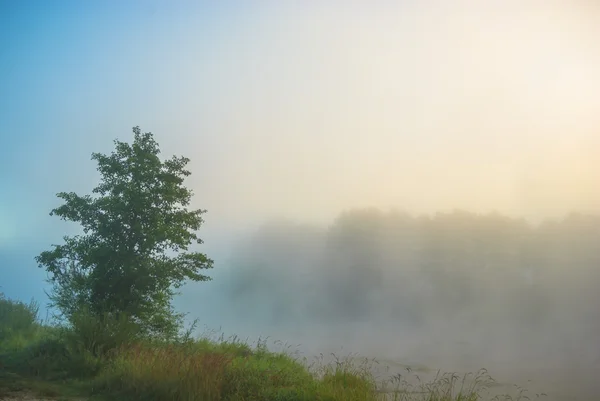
23,396
29,396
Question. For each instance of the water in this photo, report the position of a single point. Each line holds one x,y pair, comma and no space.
563,370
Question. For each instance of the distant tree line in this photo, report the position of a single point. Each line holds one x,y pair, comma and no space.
449,265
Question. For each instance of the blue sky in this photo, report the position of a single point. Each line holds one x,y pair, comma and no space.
74,76
298,110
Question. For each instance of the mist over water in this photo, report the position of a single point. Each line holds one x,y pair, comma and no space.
454,291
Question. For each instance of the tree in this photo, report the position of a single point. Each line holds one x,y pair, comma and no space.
137,216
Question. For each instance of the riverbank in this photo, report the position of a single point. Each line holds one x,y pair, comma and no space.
101,359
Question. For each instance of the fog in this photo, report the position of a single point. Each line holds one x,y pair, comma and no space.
411,181
454,291
425,106
487,107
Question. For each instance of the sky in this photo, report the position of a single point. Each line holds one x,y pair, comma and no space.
299,110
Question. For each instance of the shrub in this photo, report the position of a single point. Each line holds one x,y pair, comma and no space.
18,322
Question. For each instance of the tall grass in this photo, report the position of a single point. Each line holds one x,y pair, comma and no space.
111,359
18,323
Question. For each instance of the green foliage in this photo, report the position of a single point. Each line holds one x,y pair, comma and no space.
99,335
120,265
34,349
18,322
206,370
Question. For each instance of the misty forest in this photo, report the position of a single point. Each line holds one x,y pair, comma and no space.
454,290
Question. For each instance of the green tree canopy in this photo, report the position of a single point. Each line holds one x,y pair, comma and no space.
133,252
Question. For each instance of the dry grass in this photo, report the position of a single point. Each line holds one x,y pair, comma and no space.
224,371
